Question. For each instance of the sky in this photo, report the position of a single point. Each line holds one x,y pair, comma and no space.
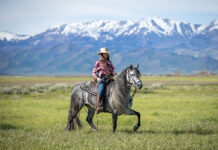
34,16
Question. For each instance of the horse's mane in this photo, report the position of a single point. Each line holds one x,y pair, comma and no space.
123,74
120,92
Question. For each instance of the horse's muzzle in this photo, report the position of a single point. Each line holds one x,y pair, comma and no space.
139,85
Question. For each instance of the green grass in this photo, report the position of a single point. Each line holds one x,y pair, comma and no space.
32,80
181,80
172,117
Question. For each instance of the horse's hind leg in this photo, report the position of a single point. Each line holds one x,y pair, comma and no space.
133,112
114,117
91,113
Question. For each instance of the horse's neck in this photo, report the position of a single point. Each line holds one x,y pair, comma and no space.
123,86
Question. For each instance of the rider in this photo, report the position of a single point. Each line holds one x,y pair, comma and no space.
103,67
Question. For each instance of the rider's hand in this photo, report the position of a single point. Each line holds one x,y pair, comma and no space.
99,80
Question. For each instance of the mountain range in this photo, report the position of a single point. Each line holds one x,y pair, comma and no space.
158,45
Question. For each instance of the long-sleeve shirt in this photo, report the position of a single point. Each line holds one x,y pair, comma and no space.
103,70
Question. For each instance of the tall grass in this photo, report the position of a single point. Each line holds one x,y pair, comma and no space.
172,117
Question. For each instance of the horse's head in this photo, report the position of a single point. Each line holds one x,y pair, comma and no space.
133,76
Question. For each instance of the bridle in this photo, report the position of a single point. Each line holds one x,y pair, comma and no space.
130,77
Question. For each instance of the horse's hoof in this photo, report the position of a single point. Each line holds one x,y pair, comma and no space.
135,128
68,128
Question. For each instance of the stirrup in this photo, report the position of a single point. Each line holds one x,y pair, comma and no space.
99,109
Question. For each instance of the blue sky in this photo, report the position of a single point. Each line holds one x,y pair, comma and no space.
35,16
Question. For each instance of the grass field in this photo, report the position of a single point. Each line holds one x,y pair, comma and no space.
176,113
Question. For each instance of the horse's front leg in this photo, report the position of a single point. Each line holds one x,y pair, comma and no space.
133,112
114,116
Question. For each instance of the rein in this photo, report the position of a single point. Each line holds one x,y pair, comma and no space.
133,94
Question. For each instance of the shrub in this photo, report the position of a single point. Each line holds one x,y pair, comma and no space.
39,88
158,85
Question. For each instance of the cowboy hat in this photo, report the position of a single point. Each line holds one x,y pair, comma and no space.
103,50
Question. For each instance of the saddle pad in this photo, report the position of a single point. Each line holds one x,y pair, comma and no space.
90,87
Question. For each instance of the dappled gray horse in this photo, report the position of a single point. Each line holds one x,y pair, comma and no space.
116,99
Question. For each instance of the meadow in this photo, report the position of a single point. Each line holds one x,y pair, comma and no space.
176,113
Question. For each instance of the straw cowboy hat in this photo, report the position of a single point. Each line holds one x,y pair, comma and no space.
103,50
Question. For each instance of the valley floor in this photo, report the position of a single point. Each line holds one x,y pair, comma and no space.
176,113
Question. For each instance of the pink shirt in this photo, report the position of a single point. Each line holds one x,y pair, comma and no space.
99,67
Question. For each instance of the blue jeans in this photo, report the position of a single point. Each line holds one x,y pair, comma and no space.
101,86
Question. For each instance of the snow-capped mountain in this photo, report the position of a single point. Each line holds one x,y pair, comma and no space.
161,27
158,45
8,36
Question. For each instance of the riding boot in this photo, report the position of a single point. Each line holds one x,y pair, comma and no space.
99,106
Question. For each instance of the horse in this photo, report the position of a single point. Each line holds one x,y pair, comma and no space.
116,99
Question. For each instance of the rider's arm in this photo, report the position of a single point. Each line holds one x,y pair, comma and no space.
95,70
112,70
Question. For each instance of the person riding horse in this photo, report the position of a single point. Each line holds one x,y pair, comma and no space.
117,96
103,67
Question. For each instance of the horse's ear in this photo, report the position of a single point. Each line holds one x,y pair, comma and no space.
131,67
137,66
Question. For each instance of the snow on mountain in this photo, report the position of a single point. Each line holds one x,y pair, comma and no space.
214,25
10,36
208,28
159,26
109,29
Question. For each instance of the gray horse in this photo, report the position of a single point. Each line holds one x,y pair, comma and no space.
116,100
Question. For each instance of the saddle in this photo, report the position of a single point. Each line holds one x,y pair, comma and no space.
92,87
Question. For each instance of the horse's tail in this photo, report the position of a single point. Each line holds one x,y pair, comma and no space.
76,123
73,116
